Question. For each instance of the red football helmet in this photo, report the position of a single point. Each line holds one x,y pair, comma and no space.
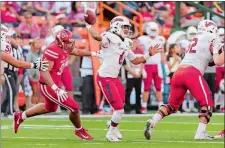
64,39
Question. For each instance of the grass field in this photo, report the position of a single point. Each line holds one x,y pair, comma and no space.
57,132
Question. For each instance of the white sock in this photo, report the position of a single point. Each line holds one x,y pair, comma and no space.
111,128
78,128
101,104
184,104
191,103
201,127
156,118
144,104
160,103
24,116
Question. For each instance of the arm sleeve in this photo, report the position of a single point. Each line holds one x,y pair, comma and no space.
131,56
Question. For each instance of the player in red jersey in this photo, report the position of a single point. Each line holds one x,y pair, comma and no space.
50,82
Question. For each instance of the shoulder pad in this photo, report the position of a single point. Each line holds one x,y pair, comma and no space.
112,37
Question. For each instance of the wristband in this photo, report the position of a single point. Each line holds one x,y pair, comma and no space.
146,57
88,26
93,54
32,65
54,87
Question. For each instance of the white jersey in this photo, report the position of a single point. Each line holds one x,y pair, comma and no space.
199,53
114,50
147,42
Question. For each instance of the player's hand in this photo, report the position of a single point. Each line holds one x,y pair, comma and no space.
42,65
61,94
155,49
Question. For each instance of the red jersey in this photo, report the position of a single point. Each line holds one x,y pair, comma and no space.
54,53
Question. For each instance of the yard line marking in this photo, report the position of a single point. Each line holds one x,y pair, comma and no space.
126,115
140,121
133,141
42,144
57,127
177,141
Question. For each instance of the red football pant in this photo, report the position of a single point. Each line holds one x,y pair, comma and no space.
113,91
219,76
51,100
152,73
189,78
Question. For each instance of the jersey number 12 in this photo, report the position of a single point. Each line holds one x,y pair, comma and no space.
193,44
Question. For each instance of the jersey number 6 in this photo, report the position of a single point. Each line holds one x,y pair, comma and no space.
121,58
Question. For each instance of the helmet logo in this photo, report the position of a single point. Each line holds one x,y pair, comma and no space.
64,34
207,24
116,19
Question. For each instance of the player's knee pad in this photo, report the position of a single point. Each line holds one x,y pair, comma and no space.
207,113
117,114
169,110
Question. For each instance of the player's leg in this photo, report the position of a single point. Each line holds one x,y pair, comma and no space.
147,85
158,83
203,95
176,98
38,109
137,86
129,87
74,115
111,93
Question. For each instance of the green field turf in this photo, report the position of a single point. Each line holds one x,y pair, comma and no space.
172,132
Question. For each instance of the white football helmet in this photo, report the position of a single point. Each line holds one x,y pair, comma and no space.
152,29
191,33
56,29
117,23
5,43
209,28
221,34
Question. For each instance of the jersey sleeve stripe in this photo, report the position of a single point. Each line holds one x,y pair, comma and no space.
51,55
52,52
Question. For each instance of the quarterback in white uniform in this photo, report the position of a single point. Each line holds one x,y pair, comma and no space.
115,46
152,65
201,53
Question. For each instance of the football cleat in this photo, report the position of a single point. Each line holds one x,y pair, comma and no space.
220,135
17,120
149,128
83,134
203,136
112,136
143,110
117,132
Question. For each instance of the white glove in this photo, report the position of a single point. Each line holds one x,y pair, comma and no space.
42,65
217,45
61,94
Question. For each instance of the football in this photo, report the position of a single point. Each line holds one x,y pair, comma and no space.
90,17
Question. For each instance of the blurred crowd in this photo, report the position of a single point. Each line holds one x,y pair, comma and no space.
31,30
